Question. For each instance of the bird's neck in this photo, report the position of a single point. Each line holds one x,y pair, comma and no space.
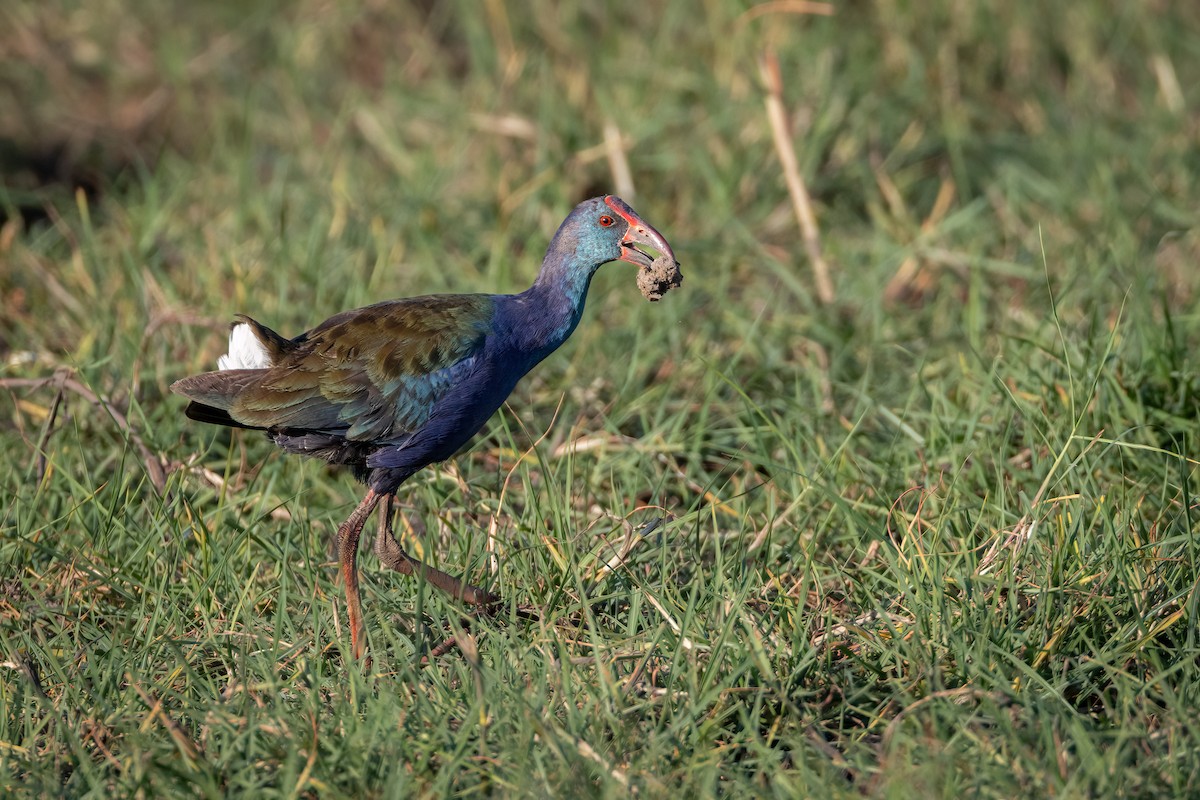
550,309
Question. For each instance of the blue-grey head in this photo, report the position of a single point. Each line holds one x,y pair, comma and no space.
606,229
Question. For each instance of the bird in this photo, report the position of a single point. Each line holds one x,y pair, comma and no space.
393,387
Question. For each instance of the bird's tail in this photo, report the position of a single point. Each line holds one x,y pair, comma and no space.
212,394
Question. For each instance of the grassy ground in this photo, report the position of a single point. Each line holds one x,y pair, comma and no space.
935,539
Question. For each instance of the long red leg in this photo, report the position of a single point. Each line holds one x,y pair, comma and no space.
392,555
347,538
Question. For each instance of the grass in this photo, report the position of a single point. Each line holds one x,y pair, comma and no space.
937,538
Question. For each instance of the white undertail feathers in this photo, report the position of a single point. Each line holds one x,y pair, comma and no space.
245,350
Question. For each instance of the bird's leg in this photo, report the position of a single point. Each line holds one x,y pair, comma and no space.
392,555
347,540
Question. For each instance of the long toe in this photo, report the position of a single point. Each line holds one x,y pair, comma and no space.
483,599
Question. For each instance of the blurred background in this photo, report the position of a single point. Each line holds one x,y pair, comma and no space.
957,485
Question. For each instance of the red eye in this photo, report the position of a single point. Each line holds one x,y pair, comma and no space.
606,221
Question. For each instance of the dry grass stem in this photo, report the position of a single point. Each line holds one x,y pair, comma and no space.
801,203
618,162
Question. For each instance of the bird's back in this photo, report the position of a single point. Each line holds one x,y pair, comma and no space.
368,377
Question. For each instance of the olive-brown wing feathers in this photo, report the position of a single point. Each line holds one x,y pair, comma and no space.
371,374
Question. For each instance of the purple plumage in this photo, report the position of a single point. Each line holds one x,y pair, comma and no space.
390,388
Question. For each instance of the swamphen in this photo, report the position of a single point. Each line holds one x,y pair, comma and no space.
392,387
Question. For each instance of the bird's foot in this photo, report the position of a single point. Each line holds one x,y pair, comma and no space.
463,640
394,557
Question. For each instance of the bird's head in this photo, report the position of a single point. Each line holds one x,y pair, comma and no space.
606,229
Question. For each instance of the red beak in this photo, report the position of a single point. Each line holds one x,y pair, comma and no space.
639,233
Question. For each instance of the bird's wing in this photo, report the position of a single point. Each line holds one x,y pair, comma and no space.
372,374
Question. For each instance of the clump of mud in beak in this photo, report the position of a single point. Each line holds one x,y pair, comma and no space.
660,277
